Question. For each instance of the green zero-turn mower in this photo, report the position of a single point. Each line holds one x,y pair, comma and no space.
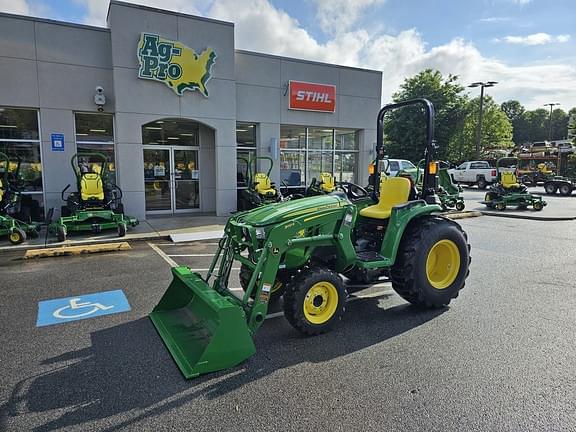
508,192
305,246
16,230
96,206
449,193
260,190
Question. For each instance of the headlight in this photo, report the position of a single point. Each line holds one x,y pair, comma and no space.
260,233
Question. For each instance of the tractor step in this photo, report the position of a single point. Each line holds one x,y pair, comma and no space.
367,256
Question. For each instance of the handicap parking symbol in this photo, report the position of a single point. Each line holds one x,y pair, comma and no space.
80,307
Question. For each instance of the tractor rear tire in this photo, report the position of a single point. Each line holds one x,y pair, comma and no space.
425,272
17,236
315,300
277,291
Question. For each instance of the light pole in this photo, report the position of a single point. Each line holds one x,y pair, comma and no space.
551,105
479,127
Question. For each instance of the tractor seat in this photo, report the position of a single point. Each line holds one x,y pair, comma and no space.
327,182
393,191
91,187
509,180
263,185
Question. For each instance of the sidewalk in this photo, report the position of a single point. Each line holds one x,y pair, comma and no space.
154,227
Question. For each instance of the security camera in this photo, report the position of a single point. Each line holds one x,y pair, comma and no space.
99,98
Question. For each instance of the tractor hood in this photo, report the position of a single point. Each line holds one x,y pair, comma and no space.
281,212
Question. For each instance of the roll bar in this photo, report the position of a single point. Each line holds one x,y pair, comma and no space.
429,184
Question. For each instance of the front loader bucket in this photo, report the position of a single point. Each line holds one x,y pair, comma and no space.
203,330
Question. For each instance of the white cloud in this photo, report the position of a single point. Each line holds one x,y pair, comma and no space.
260,26
337,16
495,19
15,6
534,39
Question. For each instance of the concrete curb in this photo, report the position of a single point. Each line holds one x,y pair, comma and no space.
462,215
76,250
528,217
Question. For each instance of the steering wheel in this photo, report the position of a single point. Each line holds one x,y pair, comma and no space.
352,190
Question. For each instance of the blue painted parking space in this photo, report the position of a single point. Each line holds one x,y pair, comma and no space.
61,310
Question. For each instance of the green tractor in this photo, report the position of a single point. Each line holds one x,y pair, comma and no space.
260,190
96,206
508,192
449,193
305,246
16,230
327,184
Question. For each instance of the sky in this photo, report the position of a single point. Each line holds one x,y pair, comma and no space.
528,46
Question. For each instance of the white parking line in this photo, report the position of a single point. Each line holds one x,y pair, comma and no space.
191,255
163,255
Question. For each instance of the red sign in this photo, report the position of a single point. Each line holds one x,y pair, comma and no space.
312,97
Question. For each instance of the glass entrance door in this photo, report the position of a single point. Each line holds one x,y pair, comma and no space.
171,179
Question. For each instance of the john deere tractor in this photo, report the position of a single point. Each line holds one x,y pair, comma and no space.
508,192
306,245
97,205
16,230
449,193
260,190
325,185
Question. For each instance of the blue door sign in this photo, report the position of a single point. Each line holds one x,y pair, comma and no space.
80,307
57,140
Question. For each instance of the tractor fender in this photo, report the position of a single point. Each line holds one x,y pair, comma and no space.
400,218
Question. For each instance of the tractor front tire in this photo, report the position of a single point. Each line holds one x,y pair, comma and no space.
537,205
61,233
432,263
315,300
121,229
460,206
17,236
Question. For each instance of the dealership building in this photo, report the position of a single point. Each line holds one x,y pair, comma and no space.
175,108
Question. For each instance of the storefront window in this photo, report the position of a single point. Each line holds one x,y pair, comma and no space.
171,132
245,150
307,152
95,134
19,140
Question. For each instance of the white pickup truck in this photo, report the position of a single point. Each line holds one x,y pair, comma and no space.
474,173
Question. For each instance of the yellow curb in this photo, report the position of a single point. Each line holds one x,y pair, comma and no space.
463,215
76,250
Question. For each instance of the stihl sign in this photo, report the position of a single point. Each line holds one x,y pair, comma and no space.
312,97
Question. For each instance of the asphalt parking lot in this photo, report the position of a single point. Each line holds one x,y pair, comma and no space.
500,358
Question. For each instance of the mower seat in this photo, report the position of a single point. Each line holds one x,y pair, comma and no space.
263,185
393,191
1,191
509,180
91,187
327,183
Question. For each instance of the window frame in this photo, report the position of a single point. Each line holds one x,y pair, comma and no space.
40,149
306,150
96,143
251,149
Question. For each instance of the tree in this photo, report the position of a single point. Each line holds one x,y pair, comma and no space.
513,109
559,124
405,131
496,130
572,125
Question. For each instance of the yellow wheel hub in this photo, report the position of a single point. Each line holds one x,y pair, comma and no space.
14,237
443,264
321,302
